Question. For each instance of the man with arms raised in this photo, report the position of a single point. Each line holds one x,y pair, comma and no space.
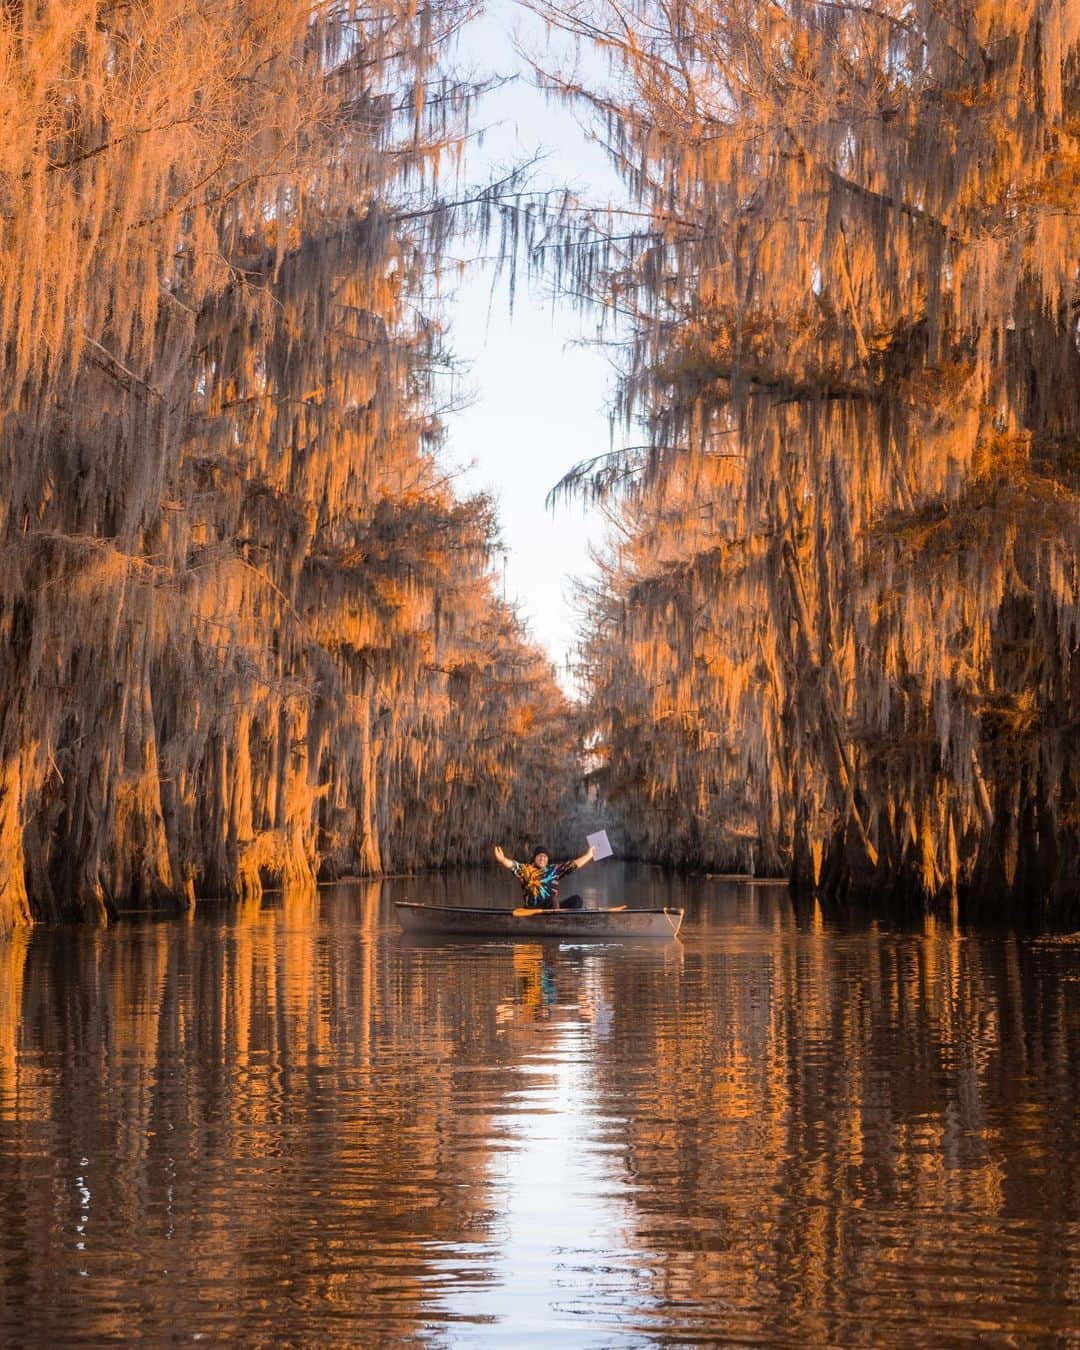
539,880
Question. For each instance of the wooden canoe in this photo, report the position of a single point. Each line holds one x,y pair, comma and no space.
560,923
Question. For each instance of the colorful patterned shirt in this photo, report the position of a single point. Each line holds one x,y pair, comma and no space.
540,885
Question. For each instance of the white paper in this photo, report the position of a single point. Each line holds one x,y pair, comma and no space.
598,842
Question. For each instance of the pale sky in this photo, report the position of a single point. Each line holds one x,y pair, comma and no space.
539,402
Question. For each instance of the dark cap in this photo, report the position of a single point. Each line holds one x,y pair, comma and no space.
540,849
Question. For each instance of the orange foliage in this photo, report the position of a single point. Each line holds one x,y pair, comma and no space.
844,601
234,589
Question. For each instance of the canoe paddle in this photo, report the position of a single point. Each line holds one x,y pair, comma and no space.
523,913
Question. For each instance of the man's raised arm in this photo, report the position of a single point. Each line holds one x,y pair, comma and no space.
586,857
501,857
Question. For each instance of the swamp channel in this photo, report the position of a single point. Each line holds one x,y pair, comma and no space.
291,1123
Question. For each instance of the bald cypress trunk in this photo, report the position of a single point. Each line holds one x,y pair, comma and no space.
14,904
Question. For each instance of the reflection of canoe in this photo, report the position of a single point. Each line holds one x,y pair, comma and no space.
562,923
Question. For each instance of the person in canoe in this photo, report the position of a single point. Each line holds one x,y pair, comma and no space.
539,879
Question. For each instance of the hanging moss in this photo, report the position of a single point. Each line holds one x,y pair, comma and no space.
236,598
839,631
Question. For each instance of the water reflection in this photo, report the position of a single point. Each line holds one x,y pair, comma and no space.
291,1123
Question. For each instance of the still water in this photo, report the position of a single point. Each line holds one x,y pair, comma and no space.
291,1124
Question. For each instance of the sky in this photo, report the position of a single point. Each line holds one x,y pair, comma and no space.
538,399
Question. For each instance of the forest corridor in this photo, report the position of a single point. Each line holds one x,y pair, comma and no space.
249,635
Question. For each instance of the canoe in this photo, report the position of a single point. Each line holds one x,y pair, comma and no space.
561,923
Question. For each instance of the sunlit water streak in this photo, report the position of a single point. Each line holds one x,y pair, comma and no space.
290,1123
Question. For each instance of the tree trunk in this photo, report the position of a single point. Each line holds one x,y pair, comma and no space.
369,860
14,903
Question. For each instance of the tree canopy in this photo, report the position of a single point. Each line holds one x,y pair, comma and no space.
247,631
844,591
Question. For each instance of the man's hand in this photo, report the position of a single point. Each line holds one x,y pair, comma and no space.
500,856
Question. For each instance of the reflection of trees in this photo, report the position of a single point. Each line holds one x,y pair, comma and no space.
283,1102
818,1128
12,962
301,1123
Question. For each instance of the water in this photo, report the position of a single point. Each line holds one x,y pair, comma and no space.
292,1124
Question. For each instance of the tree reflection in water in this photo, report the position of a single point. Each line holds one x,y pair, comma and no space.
289,1122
